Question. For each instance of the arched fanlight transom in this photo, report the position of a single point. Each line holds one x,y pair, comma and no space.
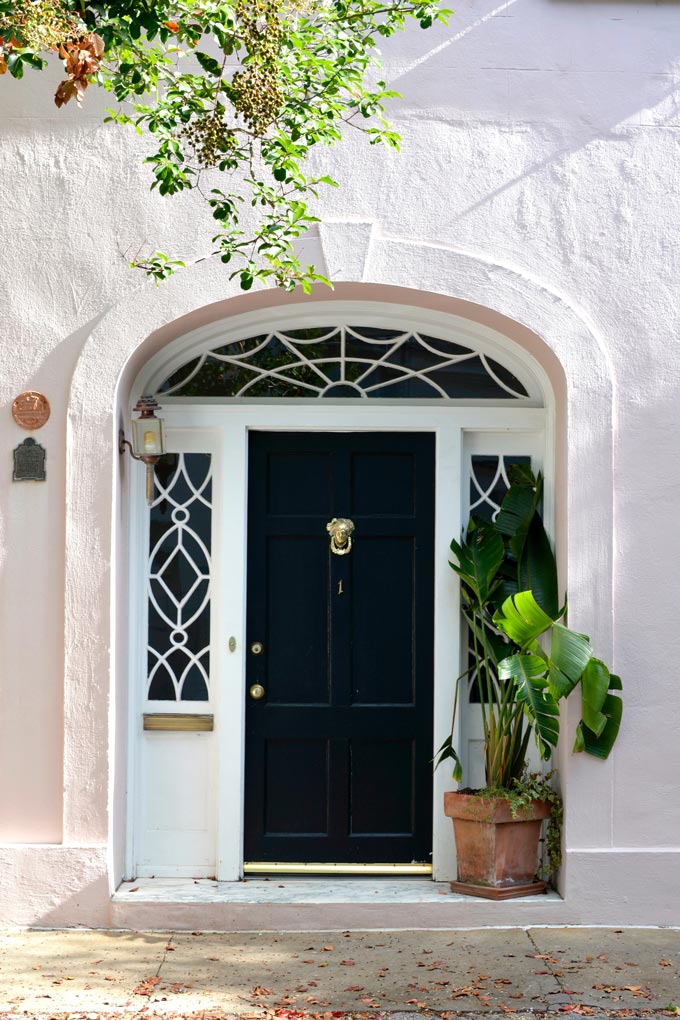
344,361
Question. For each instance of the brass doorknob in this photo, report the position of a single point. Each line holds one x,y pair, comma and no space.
256,692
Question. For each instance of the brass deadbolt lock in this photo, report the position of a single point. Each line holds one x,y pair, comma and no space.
257,648
257,692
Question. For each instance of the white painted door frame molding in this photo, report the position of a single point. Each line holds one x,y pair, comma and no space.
225,428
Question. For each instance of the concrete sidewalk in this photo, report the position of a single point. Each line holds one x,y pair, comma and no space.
585,971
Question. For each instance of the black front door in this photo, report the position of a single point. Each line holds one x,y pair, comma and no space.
339,747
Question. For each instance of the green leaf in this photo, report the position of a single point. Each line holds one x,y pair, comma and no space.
579,743
517,510
479,558
522,619
15,65
570,653
447,752
594,688
209,64
528,673
600,746
538,568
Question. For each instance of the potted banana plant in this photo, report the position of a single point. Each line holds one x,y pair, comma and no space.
525,661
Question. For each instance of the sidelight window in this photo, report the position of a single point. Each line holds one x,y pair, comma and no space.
178,652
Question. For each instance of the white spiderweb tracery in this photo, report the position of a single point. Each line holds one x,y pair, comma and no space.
344,361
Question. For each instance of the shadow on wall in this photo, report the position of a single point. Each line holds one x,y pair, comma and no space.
571,72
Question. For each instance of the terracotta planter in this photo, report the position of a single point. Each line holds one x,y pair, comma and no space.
496,852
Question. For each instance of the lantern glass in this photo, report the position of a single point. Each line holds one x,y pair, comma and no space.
147,437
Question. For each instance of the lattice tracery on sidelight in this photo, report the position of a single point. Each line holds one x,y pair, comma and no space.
344,361
489,481
178,654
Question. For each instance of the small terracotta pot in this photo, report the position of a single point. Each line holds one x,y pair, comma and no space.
496,852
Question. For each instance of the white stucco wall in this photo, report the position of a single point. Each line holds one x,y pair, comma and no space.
537,178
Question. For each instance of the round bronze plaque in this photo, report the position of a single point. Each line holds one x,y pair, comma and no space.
31,410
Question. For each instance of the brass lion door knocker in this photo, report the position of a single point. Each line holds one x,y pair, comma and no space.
340,529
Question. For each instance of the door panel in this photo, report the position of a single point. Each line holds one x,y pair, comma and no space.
296,649
381,590
338,752
302,764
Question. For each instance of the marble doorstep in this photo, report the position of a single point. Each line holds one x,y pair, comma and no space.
295,890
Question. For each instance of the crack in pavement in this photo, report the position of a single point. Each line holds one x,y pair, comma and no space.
561,988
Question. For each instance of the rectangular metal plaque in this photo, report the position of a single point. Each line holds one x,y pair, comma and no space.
29,462
173,721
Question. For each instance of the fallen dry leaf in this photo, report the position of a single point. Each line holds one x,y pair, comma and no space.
259,990
146,986
180,987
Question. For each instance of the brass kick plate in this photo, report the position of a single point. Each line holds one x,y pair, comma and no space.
178,723
270,868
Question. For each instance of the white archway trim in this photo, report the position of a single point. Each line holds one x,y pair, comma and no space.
138,326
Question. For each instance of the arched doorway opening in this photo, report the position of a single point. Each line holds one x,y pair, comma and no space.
278,421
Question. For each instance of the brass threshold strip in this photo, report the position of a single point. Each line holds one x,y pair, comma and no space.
277,868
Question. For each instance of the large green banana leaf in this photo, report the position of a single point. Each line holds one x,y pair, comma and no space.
528,673
570,654
479,559
600,746
522,619
538,569
517,510
594,689
519,520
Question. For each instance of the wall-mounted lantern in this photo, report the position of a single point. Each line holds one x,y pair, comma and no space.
148,444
